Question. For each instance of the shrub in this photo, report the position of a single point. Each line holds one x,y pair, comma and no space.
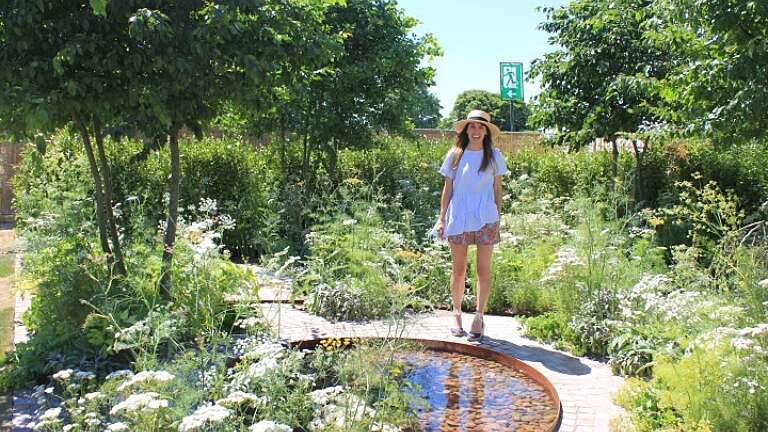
356,268
236,176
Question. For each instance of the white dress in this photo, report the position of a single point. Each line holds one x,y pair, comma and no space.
472,202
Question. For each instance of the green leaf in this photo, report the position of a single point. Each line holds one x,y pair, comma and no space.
37,119
99,7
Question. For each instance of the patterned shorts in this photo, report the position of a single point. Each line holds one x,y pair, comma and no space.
487,235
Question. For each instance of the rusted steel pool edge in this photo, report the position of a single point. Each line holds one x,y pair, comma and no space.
480,352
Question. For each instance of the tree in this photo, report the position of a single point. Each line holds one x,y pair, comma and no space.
194,56
426,111
493,105
719,84
373,80
160,65
54,72
602,80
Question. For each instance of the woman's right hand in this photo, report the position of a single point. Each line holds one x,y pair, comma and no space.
440,228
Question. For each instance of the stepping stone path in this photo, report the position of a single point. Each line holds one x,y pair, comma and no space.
585,386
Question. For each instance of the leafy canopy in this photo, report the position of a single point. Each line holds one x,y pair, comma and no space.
602,79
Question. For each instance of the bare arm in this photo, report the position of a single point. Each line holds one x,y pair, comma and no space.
445,199
497,192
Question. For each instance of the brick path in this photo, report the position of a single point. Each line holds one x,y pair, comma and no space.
585,386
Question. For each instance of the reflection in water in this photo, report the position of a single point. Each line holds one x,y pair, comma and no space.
465,393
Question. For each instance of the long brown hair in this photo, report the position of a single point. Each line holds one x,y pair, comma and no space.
461,143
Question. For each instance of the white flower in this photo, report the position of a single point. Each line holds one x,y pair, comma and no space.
208,205
350,222
756,331
92,396
269,426
145,376
763,283
509,238
348,408
323,396
48,390
140,402
69,427
93,422
265,350
205,413
742,343
120,374
134,332
263,366
84,375
566,256
51,414
117,427
63,374
384,427
240,397
247,323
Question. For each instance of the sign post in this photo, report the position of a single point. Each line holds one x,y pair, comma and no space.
511,84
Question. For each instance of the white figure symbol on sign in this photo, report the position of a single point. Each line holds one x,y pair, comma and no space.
510,77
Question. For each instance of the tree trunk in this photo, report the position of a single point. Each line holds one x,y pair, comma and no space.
637,184
98,190
110,215
305,171
173,214
615,156
283,145
333,161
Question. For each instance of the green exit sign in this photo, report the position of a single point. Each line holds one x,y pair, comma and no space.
511,80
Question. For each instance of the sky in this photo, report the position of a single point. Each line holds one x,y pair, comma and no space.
476,37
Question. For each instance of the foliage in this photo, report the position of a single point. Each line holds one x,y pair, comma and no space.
358,268
375,81
557,174
151,66
82,316
253,383
602,79
426,111
718,82
711,388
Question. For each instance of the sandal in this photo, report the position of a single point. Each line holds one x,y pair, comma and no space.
475,336
457,331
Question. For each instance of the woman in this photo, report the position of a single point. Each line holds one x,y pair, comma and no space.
470,208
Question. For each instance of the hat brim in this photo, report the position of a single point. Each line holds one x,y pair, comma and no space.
494,130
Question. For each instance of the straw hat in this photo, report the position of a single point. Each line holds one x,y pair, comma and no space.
481,117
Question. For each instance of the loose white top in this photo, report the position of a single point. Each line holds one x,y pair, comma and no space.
472,203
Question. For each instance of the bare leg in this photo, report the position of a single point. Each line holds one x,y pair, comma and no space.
458,278
484,253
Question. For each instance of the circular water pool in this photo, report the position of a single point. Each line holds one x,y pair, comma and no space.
461,387
468,393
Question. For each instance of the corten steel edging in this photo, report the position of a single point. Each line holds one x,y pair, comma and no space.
475,351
